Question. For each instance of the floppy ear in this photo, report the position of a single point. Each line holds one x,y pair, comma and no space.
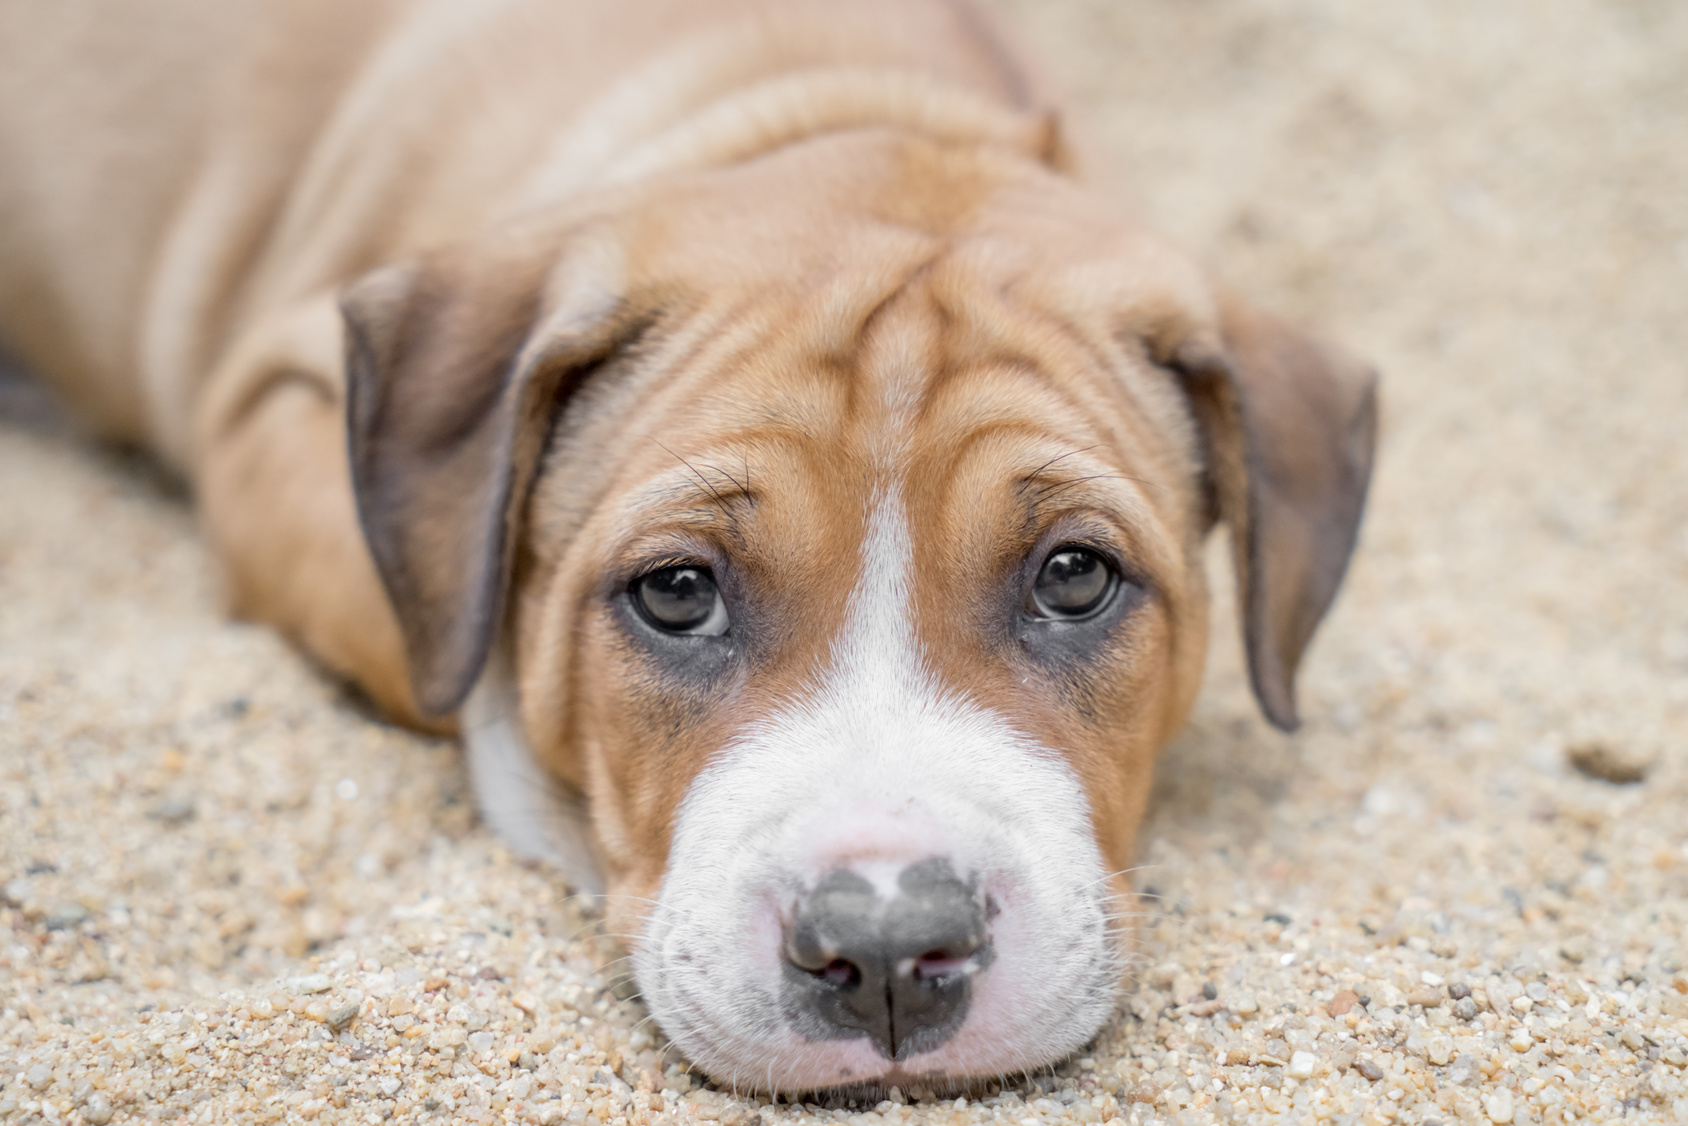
1288,426
453,383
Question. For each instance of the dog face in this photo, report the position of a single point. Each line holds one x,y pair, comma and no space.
859,580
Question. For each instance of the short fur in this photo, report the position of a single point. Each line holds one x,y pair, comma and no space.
460,315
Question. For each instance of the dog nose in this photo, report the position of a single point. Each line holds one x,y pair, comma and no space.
896,971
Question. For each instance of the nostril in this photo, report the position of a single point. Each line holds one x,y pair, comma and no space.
938,963
841,972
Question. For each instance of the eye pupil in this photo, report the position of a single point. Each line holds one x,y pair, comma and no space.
676,599
1074,582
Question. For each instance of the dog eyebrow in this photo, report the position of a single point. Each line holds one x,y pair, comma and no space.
707,490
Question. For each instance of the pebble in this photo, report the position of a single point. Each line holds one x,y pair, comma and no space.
1368,1069
1425,998
343,1016
1522,1004
389,1085
173,811
1301,1065
1608,763
1498,1106
1342,1003
66,916
310,983
1438,1050
16,892
38,1076
97,1109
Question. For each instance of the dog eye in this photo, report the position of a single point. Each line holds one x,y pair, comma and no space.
1074,583
681,600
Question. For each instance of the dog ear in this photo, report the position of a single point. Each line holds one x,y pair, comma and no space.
453,382
1288,425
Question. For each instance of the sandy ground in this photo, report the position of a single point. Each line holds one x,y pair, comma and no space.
229,893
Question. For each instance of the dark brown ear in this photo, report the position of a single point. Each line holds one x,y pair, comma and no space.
453,383
1289,425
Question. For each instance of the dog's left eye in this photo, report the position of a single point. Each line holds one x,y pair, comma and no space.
681,600
1074,582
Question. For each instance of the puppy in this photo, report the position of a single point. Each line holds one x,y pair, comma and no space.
742,405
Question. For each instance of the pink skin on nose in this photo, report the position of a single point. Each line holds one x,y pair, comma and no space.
876,839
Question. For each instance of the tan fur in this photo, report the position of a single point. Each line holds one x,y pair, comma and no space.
775,258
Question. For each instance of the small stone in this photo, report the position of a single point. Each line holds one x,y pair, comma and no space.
480,1042
488,973
1522,1004
1521,1041
1301,1065
344,1015
16,892
1429,978
1143,1093
1465,1072
1425,998
39,1076
1675,1057
317,1011
528,1061
1465,1009
310,983
1210,991
398,1005
173,810
1607,763
1236,1057
1244,1005
66,916
1439,1050
1342,1003
1459,991
390,1085
1369,1070
1575,949
97,1109
1498,1106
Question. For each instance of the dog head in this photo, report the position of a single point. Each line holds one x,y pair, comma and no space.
842,514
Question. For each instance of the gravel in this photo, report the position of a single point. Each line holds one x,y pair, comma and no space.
1428,893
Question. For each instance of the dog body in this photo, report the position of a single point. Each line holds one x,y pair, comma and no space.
744,408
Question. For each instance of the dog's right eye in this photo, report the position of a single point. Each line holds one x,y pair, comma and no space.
681,600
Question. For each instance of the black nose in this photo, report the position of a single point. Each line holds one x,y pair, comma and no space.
898,972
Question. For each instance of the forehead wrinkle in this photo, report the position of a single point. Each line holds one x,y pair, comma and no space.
1024,330
1087,483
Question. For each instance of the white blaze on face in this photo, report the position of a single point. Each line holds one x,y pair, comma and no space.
875,768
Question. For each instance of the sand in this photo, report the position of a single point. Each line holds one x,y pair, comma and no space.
228,893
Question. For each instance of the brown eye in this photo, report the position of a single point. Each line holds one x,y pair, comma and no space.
681,600
1074,583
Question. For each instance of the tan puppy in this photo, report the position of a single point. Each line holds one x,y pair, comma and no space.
811,474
